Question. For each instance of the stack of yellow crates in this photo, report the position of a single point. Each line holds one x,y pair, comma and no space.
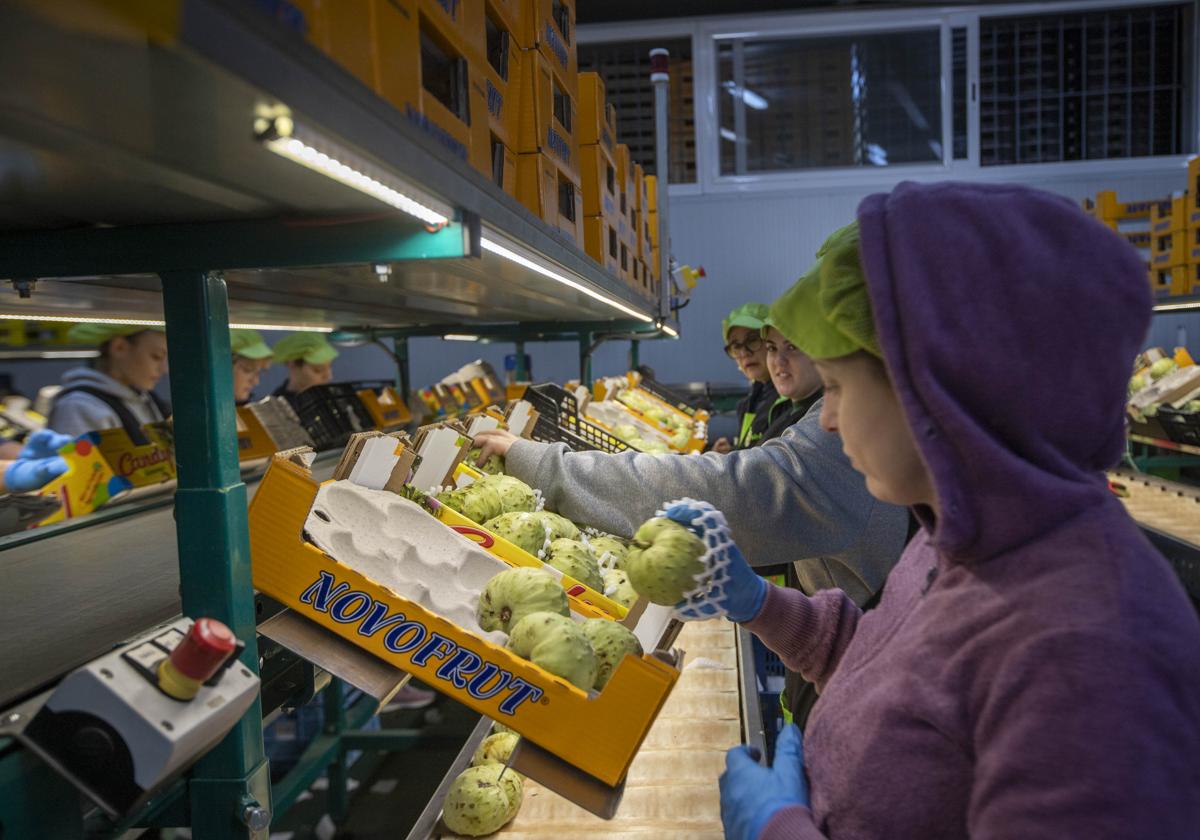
548,180
642,231
597,133
1131,219
626,232
1172,252
418,55
1191,213
498,60
652,230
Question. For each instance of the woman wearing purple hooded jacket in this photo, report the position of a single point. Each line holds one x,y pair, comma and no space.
1033,668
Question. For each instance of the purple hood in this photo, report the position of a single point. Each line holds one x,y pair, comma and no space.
1013,382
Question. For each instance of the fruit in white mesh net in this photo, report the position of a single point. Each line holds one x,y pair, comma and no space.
664,561
599,546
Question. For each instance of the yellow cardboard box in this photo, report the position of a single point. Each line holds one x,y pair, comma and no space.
598,174
422,69
143,464
551,27
549,113
387,409
597,733
1169,216
499,67
551,193
509,16
1169,282
597,119
1170,249
87,484
601,244
254,441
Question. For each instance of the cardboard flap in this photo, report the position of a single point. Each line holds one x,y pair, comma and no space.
566,780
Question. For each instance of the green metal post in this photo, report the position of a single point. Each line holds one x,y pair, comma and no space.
230,787
521,374
634,354
335,725
585,359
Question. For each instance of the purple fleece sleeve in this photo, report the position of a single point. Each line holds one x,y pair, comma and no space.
810,633
794,822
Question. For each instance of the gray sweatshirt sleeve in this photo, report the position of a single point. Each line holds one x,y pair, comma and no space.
792,499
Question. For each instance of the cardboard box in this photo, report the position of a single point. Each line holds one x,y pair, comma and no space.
626,230
1169,216
1171,281
598,178
141,464
1170,249
489,679
597,119
1193,278
551,27
1193,191
462,22
421,67
387,409
343,30
511,15
652,221
254,441
504,168
1106,207
549,113
87,484
499,67
652,193
551,193
601,244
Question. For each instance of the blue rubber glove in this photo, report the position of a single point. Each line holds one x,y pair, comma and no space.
26,474
44,443
751,793
744,590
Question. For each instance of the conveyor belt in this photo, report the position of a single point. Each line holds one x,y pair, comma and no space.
671,791
71,596
1169,514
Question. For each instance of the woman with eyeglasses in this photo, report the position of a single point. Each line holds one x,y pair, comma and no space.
743,343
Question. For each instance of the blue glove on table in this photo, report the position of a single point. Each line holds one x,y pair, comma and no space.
751,793
26,474
44,443
740,592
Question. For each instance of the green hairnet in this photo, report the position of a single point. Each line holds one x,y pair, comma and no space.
249,343
309,346
98,334
827,313
749,315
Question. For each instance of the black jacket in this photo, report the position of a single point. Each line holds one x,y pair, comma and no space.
753,414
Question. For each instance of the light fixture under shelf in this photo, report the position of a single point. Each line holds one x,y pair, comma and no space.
1182,306
147,322
309,148
459,337
511,251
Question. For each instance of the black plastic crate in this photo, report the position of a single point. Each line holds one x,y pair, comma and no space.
559,421
331,413
1180,426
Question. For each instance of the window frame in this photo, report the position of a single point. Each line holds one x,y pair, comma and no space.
707,32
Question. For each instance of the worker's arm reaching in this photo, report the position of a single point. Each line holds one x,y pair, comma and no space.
37,464
795,498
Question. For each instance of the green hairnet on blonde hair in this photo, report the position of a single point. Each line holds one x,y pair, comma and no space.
827,312
748,315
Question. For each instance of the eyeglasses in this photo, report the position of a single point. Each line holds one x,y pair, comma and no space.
750,346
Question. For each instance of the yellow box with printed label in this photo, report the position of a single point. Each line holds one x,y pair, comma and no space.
596,732
87,484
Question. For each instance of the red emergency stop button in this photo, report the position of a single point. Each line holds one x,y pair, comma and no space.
203,650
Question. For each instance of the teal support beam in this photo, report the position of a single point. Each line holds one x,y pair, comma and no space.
403,370
585,359
231,781
35,801
634,354
335,725
205,246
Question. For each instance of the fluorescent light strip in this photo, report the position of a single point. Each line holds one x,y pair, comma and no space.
328,165
671,331
50,354
459,337
1170,307
500,250
141,322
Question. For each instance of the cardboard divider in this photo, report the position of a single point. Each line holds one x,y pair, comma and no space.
597,732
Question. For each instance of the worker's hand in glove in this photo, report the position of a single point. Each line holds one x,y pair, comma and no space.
738,591
44,443
26,474
751,794
493,442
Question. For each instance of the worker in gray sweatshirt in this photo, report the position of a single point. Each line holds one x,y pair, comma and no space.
795,498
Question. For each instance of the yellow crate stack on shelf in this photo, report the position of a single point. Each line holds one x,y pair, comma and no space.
597,133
